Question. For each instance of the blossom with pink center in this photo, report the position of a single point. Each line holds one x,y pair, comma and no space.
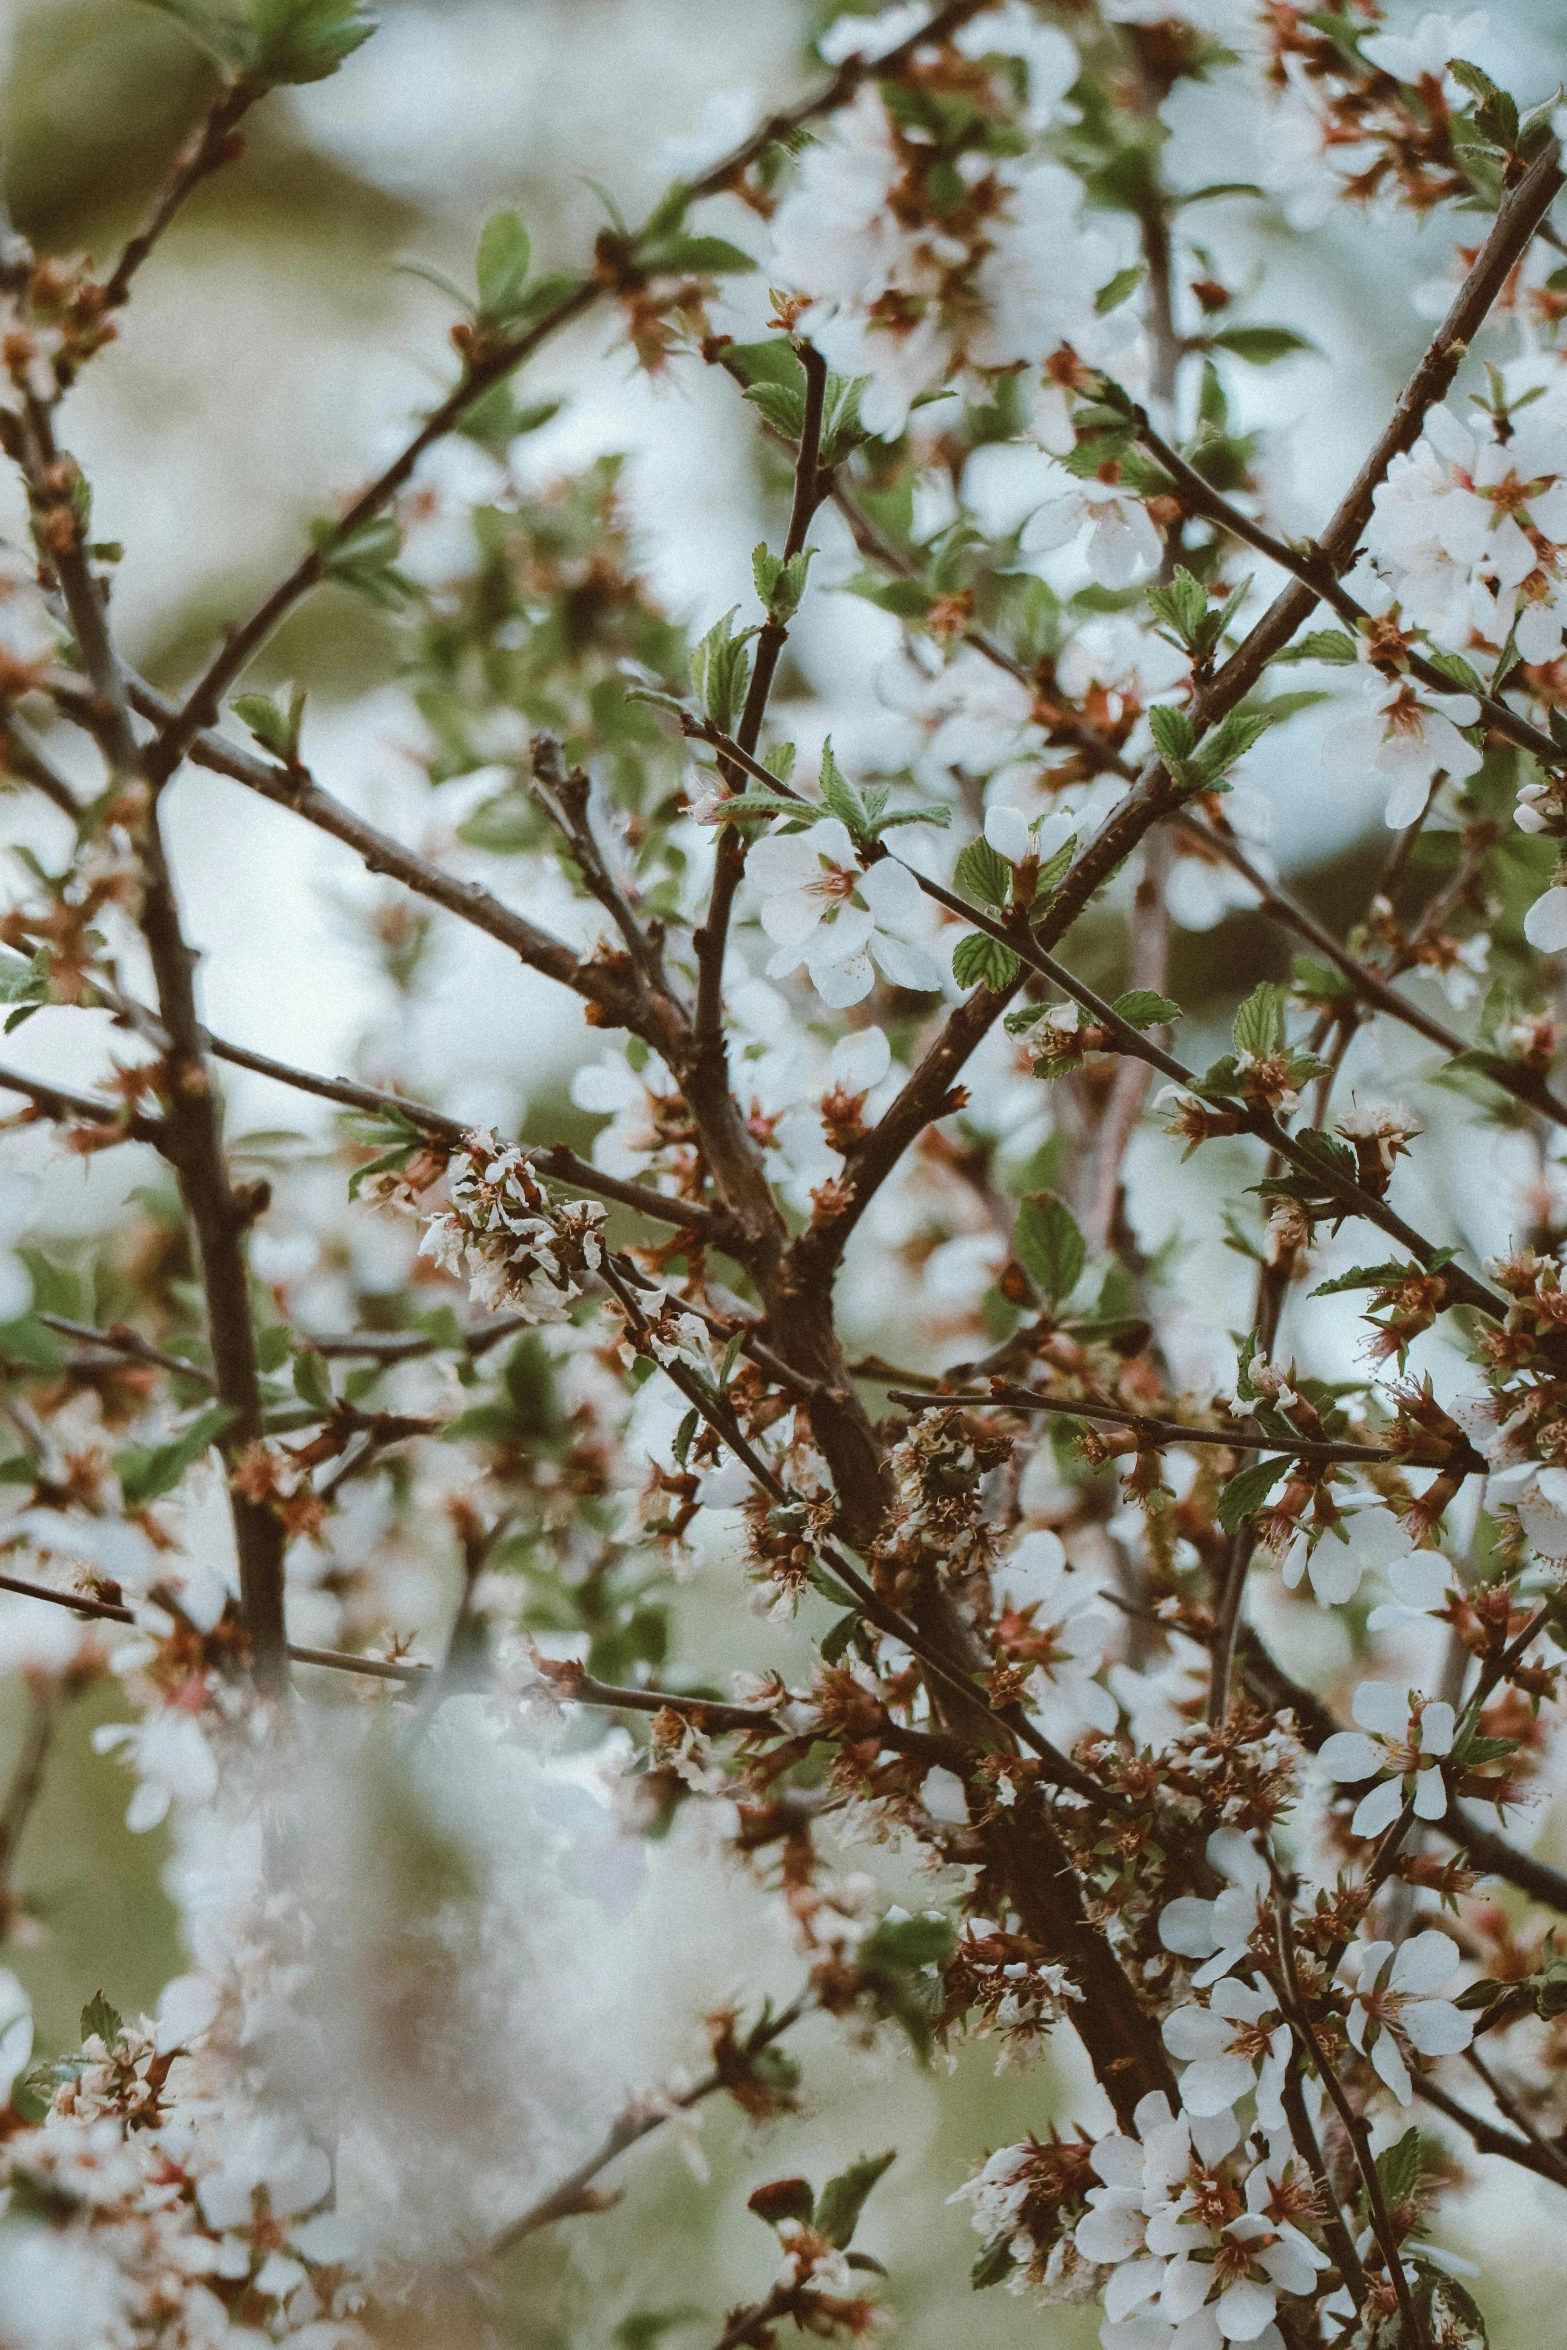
1236,2044
1397,2005
1400,1743
822,908
1408,739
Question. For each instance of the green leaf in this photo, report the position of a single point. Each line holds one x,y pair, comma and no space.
147,1470
1216,188
1048,1245
277,730
303,40
843,2198
835,1646
940,817
982,961
102,2021
1334,645
223,37
1496,115
746,806
644,2328
1144,1007
1183,605
1231,739
363,558
840,798
312,1380
983,873
899,1963
781,405
697,257
1259,346
1399,2167
1246,1491
1389,1275
504,254
721,670
994,2263
504,826
1174,733
24,980
779,585
1119,288
1259,1024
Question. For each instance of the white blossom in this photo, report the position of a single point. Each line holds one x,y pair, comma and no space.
1408,738
1123,544
822,908
1398,2007
1402,1741
1343,1553
1423,53
1219,1932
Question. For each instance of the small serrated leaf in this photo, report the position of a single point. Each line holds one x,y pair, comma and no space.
313,1380
1246,1491
1119,288
1259,346
101,2021
982,961
1049,1246
502,265
842,2200
1144,1007
982,872
1173,731
1259,1024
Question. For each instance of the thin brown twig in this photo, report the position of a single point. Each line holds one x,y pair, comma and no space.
65,1108
593,977
1241,1438
1354,2127
1508,2105
1487,2138
23,1792
1311,569
120,1340
28,757
572,2195
214,144
115,1612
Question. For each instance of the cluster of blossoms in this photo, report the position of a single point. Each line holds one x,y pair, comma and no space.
1188,2237
516,1249
922,243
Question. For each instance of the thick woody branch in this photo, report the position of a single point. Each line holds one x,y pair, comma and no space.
190,1131
1486,2137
